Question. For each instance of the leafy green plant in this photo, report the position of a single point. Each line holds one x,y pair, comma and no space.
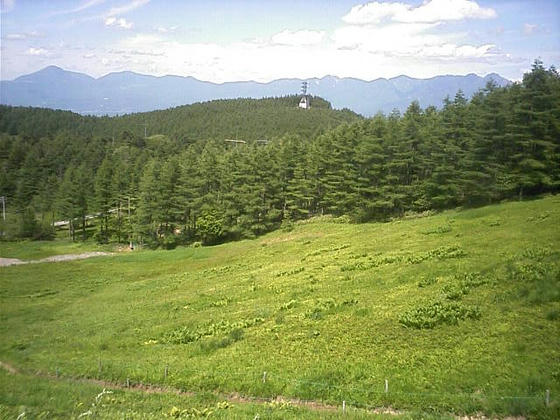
438,230
184,335
436,313
462,284
288,305
428,281
189,413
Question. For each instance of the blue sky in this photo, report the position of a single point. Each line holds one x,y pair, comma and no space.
265,40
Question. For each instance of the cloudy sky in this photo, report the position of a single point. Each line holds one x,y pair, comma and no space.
219,40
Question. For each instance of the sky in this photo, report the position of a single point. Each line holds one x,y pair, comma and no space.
264,40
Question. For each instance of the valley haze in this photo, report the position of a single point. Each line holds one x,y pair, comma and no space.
129,92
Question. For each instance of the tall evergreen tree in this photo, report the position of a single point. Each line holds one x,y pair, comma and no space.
104,199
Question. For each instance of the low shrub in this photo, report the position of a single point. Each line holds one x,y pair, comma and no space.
427,281
438,230
184,335
436,313
462,285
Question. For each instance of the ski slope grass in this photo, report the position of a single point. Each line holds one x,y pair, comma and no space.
459,312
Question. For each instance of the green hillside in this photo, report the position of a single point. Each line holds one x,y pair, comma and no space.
458,311
249,119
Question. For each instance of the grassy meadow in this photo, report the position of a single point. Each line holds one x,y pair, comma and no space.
459,312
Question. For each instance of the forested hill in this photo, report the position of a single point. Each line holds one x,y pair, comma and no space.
247,119
503,143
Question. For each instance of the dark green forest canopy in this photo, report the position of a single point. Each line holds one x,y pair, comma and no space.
249,119
187,184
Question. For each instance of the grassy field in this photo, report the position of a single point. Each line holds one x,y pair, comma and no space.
459,312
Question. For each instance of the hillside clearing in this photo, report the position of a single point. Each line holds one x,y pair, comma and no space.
459,312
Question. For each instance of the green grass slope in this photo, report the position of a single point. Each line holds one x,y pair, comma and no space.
459,312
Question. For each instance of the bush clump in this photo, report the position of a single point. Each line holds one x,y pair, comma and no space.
184,335
436,313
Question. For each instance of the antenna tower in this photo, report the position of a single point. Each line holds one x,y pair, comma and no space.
304,101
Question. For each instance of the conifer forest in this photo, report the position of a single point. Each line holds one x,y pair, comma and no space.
231,169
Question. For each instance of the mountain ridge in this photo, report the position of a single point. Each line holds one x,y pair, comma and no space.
126,91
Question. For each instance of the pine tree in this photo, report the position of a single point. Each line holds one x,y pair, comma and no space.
72,198
169,201
104,199
299,198
149,218
370,160
479,164
535,131
447,136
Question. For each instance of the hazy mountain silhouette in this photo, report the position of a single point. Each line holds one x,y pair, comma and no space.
127,92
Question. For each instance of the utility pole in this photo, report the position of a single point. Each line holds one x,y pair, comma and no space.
129,223
3,199
145,129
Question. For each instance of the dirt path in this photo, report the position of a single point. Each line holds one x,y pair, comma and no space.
4,262
233,398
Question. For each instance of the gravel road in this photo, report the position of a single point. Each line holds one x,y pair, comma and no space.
4,262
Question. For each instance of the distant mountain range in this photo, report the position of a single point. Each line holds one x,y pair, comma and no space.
128,92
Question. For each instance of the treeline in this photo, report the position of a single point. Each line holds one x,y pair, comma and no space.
503,143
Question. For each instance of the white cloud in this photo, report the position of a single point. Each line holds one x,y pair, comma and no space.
304,37
422,55
143,41
374,40
112,18
121,10
450,51
37,51
407,40
374,12
400,30
166,29
86,5
23,35
119,22
16,37
529,29
394,39
430,11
